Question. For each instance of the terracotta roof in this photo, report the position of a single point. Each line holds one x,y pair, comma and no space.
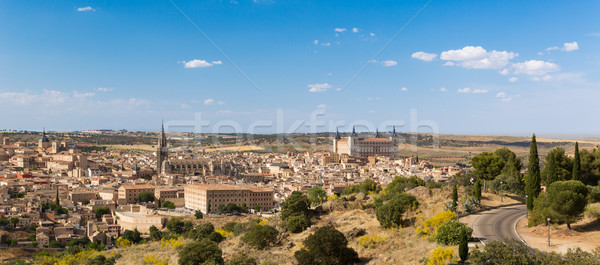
141,186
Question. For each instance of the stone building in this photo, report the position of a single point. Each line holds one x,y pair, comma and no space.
207,197
129,193
366,146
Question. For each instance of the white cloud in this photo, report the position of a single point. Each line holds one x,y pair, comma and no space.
319,87
338,89
322,106
504,97
570,46
404,89
209,101
104,89
340,29
443,89
315,42
478,58
200,63
423,56
534,67
326,44
78,95
355,30
501,95
221,103
467,90
389,63
85,9
513,79
504,71
372,34
553,48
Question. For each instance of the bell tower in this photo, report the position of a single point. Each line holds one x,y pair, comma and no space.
162,152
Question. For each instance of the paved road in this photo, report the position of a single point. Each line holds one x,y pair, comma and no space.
498,224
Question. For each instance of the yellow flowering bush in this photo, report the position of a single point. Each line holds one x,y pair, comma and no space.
173,243
332,197
430,226
262,222
224,233
370,241
441,256
151,260
122,242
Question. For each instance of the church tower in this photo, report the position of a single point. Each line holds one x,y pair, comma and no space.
162,152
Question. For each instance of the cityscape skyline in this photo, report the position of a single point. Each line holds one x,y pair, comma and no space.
89,65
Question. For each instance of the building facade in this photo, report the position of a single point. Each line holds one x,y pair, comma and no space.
129,193
366,146
207,198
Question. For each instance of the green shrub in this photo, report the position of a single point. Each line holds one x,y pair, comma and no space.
261,236
449,233
390,213
200,252
297,223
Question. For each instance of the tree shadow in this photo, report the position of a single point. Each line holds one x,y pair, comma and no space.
589,227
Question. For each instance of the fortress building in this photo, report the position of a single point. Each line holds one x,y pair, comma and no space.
354,145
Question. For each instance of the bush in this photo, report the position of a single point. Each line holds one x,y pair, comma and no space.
261,236
297,223
401,184
242,259
449,233
326,246
168,204
133,236
146,196
316,195
199,252
390,213
441,256
101,211
564,202
430,226
198,214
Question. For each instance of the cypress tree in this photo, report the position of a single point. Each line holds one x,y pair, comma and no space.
533,179
57,199
576,164
455,197
463,246
478,190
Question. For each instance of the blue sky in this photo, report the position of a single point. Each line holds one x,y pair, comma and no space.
469,67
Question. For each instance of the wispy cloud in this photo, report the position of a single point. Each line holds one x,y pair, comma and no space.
443,89
200,63
340,29
478,58
467,90
423,56
319,87
355,30
104,89
322,106
404,89
513,79
387,63
85,9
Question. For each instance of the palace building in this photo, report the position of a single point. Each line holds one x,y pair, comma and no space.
354,145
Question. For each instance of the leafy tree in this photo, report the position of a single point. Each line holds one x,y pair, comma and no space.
101,260
261,236
168,204
198,214
463,245
510,158
297,223
390,213
576,164
155,234
487,165
14,221
327,246
56,244
317,195
401,184
205,230
201,252
133,236
146,196
564,202
257,208
505,183
4,222
449,233
368,186
508,252
176,225
242,259
296,204
455,197
100,211
533,178
557,167
590,166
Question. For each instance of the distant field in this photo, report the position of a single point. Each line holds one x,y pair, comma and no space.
141,147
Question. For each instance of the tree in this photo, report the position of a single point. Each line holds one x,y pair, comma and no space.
576,164
508,252
101,260
449,233
455,197
478,190
327,246
198,214
557,167
297,223
201,252
487,165
100,211
368,186
590,166
14,221
261,236
296,204
168,204
463,246
176,225
317,195
146,196
566,201
4,222
533,179
390,213
155,234
133,236
509,157
242,259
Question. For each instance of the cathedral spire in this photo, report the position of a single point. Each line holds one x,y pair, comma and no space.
337,134
376,133
353,131
394,132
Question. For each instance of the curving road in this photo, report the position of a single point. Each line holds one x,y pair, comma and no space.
498,224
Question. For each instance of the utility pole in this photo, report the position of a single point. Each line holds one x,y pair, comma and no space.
548,219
